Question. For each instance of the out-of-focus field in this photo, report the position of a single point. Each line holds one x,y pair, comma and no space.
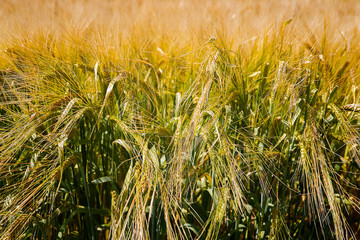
179,119
183,20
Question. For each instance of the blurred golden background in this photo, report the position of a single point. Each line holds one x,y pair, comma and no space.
182,20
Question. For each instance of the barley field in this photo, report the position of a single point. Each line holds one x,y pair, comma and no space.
179,119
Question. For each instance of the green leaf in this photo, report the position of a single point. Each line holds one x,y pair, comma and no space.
102,180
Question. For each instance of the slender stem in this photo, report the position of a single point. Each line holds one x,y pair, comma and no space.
85,183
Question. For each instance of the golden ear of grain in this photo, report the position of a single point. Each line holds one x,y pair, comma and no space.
70,160
108,91
352,107
210,68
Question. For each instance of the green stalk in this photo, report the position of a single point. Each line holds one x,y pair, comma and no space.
262,84
154,235
85,183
